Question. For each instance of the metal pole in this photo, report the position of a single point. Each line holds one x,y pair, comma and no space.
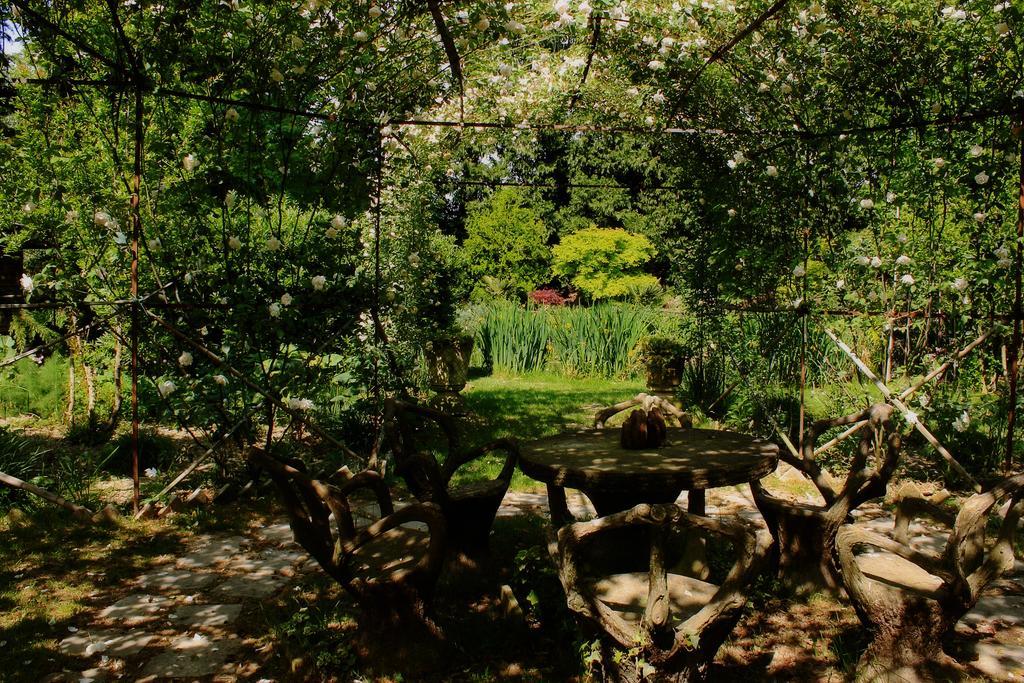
136,235
1015,348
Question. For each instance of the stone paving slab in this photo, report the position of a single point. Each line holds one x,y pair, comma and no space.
208,616
105,642
136,608
214,552
275,562
278,534
1003,609
254,586
190,656
177,580
999,661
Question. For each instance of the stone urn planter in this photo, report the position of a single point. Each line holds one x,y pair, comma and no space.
662,359
448,366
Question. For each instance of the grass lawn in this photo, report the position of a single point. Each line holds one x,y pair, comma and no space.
531,407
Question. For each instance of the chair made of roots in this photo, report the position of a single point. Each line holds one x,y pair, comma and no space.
390,566
805,532
671,624
469,509
912,598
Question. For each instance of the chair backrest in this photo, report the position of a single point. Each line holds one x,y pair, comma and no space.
656,627
879,442
974,562
311,506
416,465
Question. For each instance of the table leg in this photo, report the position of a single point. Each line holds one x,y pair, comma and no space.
695,558
695,502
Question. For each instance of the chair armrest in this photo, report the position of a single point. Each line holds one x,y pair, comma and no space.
509,446
369,479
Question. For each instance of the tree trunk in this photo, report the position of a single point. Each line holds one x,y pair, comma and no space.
804,539
907,645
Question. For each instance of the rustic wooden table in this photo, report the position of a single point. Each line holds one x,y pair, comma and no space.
616,479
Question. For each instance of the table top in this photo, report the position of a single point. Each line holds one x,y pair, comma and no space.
690,459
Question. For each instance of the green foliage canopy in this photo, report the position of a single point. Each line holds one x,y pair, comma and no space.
507,239
605,263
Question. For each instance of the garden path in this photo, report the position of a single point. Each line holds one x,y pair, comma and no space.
180,620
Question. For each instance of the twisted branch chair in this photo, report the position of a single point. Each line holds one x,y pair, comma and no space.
389,567
672,622
805,533
469,509
912,599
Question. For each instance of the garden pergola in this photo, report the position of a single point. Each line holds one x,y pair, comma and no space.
127,74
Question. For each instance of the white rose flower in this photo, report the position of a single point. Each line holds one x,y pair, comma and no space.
154,244
939,162
981,178
234,243
286,299
150,472
799,271
120,238
165,388
907,279
26,283
318,282
876,262
863,260
903,260
414,259
890,197
980,216
274,309
655,65
331,233
273,244
482,24
29,206
772,171
101,218
911,417
375,12
189,162
867,204
221,380
731,212
338,222
960,284
977,151
361,36
231,114
961,423
840,284
185,359
658,97
1002,252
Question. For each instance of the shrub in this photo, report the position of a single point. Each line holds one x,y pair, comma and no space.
547,297
507,241
606,263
